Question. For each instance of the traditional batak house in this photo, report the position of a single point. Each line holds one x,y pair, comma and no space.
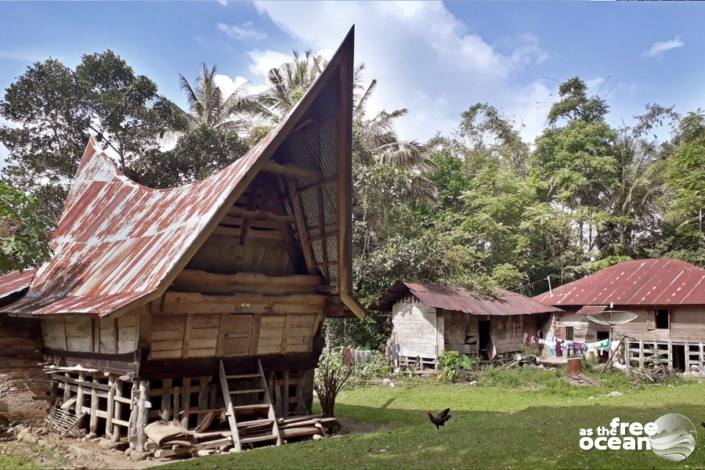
428,319
668,297
175,303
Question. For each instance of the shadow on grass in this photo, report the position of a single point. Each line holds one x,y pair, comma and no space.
537,437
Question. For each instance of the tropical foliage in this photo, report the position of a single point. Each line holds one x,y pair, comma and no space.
480,207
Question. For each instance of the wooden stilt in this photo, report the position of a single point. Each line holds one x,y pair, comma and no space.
185,401
79,395
118,409
203,397
110,406
67,390
285,394
177,404
687,357
142,410
166,399
93,420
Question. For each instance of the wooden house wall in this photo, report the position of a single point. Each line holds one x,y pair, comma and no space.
460,332
84,334
687,324
242,314
417,331
182,336
508,331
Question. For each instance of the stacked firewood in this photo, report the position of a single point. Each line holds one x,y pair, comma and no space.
305,427
170,439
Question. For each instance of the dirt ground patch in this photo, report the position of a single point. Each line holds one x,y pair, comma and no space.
47,452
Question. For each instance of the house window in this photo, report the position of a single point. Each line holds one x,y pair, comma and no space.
569,333
662,320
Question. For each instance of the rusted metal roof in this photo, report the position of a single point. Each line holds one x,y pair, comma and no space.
119,243
591,309
639,282
15,282
461,299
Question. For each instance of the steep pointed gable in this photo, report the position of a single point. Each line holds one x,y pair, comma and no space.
119,244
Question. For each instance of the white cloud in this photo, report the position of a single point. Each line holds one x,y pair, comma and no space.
228,85
223,2
424,59
241,32
658,48
264,61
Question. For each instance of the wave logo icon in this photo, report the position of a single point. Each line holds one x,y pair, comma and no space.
674,439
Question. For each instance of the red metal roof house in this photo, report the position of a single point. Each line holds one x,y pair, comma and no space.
429,319
157,302
667,295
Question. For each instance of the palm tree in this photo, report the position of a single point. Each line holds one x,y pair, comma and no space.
287,85
208,106
376,141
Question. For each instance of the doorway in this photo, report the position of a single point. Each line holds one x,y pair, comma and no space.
484,327
678,357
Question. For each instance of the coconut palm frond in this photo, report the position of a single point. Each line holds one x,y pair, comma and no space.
359,108
400,154
191,96
422,189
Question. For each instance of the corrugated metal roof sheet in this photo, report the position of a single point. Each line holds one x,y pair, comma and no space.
638,282
119,242
462,300
15,282
591,309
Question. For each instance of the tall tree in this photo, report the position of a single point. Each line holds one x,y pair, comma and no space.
24,231
52,110
483,121
575,165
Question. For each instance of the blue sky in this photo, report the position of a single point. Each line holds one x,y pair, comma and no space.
435,59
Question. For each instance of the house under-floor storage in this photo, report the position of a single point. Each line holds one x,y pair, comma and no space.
668,297
178,303
428,319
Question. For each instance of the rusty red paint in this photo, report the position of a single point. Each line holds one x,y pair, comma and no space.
459,299
591,309
638,282
15,282
117,242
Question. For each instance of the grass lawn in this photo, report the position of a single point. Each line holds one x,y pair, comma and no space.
513,419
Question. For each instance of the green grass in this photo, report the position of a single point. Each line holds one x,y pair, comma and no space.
13,462
518,419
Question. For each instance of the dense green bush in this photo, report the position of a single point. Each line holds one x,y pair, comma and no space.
454,365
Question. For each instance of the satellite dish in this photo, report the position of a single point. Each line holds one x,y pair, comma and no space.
611,318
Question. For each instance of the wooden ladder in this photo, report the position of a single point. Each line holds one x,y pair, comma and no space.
248,418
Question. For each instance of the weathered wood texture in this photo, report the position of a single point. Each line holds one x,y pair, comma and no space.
222,335
416,330
687,324
23,388
81,334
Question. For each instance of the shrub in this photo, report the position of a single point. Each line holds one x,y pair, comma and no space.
330,378
455,365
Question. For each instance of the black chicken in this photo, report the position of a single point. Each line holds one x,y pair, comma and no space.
440,419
